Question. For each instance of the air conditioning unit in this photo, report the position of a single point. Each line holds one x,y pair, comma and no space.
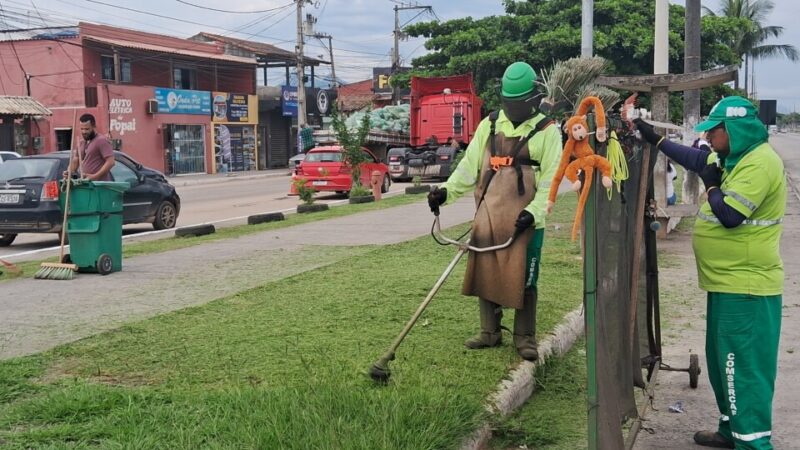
152,106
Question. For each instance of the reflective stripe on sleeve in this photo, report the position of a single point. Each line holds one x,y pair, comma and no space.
724,418
751,436
747,203
760,223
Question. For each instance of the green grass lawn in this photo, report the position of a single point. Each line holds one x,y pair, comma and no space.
555,416
284,365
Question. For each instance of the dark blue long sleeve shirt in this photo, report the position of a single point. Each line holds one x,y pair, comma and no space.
695,159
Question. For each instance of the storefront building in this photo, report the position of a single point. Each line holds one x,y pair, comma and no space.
153,95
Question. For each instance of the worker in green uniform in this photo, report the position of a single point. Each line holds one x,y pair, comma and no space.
509,164
736,242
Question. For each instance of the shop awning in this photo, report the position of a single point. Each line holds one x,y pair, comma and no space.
22,106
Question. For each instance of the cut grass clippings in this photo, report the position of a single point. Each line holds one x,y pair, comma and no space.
284,365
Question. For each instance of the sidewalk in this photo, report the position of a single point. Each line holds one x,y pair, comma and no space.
36,315
204,178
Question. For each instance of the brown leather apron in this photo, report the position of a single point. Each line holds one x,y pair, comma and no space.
499,276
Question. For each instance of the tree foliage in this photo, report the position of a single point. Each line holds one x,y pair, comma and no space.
351,142
542,32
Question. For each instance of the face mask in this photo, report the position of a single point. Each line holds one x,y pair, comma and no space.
522,109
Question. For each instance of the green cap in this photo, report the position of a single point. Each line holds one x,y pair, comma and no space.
728,109
519,79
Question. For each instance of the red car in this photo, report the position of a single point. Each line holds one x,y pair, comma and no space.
324,169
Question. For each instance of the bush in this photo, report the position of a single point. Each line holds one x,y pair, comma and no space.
359,191
305,191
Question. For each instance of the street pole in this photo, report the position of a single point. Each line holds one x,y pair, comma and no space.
396,49
660,99
301,91
691,98
587,31
327,36
333,68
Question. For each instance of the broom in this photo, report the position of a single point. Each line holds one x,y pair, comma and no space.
60,270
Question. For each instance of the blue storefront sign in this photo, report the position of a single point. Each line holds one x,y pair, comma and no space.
183,101
289,100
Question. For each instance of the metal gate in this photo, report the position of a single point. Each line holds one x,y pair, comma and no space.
186,149
278,140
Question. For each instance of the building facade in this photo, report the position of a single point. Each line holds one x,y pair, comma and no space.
177,105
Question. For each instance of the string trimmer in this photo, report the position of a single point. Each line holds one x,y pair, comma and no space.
379,372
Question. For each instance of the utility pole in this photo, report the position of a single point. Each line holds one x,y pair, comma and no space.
301,85
660,95
587,29
691,98
327,36
397,34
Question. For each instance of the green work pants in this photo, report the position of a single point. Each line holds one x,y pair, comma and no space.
742,356
534,255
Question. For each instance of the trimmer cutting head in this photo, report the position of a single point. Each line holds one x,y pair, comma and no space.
380,373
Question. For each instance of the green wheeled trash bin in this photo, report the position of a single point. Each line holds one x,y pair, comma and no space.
94,225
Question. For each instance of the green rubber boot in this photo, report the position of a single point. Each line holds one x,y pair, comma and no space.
525,327
490,313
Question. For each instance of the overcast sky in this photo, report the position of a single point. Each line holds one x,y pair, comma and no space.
361,29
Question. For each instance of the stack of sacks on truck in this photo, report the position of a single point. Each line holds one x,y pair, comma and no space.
393,118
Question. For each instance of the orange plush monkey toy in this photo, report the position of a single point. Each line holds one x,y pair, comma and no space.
577,146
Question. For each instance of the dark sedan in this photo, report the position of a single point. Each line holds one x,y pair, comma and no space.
29,195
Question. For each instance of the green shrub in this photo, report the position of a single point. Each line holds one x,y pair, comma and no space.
358,190
304,190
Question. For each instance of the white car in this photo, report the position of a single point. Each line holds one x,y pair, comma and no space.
5,156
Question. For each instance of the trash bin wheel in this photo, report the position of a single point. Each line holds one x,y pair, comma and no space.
694,370
104,265
66,259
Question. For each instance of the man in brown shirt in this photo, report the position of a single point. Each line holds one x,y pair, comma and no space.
96,152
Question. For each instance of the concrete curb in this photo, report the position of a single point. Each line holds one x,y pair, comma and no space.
515,390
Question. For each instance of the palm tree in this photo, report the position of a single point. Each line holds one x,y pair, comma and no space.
750,44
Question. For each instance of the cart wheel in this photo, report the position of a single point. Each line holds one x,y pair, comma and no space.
105,265
694,370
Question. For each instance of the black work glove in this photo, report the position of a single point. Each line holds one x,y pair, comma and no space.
525,220
711,175
436,198
647,131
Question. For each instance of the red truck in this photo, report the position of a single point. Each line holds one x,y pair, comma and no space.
444,113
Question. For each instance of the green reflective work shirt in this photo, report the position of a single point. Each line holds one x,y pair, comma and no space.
745,259
545,147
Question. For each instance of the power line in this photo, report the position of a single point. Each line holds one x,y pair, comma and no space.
229,11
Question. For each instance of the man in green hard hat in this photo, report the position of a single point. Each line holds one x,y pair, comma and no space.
509,164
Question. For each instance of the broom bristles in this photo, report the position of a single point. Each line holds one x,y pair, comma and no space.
56,271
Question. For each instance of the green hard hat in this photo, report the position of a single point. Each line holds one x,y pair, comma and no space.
519,79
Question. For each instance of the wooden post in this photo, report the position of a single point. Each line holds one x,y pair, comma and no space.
661,114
